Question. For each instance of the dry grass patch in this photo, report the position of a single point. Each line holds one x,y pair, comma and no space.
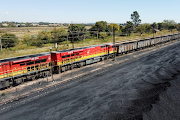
21,31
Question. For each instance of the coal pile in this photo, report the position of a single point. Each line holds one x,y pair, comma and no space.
144,88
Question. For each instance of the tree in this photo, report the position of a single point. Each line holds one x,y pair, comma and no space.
36,42
9,40
178,27
27,39
116,26
129,27
59,35
98,27
169,24
44,36
77,31
32,40
135,18
140,29
154,26
160,26
171,27
110,28
103,34
147,28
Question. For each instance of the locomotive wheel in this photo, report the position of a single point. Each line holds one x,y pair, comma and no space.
79,65
71,66
33,77
22,80
66,67
48,73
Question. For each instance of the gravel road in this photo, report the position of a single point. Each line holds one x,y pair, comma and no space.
140,88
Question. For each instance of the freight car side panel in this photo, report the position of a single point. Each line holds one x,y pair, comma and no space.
170,37
155,40
140,43
176,36
131,44
134,45
120,48
124,47
152,41
147,42
164,38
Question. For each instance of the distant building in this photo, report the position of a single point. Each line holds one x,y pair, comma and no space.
122,24
5,24
17,25
23,25
34,24
43,25
54,25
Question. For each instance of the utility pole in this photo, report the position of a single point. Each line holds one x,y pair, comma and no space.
55,35
97,34
83,35
1,45
72,37
153,32
114,42
51,65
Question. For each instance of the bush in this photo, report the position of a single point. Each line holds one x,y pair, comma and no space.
36,42
3,94
32,40
9,40
1,31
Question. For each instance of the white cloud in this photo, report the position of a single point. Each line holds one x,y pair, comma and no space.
5,13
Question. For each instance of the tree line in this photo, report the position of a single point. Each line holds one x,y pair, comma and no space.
100,30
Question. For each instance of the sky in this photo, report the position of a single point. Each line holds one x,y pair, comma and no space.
88,11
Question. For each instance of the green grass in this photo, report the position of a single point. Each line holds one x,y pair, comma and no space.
22,49
3,94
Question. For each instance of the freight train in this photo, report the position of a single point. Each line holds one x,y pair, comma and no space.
14,71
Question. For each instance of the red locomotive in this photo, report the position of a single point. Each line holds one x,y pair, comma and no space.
68,59
15,70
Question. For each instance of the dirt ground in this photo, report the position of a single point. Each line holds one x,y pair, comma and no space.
143,87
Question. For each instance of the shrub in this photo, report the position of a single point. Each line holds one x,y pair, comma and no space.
32,40
9,40
3,94
36,42
1,31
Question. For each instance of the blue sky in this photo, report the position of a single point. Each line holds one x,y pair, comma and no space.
88,11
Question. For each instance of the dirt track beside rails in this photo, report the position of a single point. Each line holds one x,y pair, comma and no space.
122,91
